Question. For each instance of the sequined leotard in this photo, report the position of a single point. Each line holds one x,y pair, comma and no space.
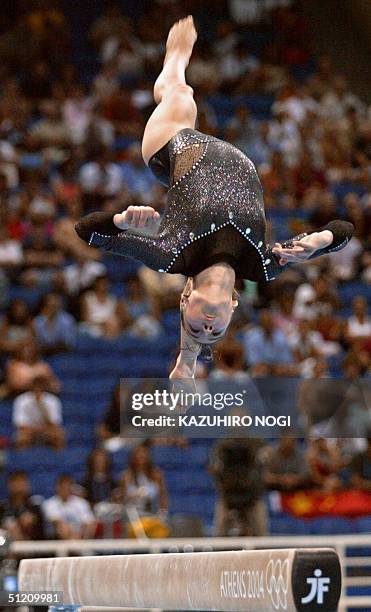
214,213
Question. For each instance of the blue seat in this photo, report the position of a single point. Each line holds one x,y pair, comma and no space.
35,458
363,524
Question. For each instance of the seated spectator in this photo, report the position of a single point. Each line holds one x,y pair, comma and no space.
137,300
143,484
76,113
102,313
283,315
267,350
24,367
99,130
55,328
318,395
11,252
50,129
41,258
99,179
111,425
240,509
285,467
81,274
324,463
163,289
65,236
344,262
20,515
37,416
69,514
361,469
138,178
98,482
312,299
230,363
358,326
16,327
305,343
142,310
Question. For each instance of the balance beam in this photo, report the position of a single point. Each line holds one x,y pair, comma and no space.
254,581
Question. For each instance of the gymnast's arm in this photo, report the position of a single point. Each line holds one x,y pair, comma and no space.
331,238
117,234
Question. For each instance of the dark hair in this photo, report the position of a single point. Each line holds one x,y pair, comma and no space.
65,478
90,461
9,315
17,474
149,468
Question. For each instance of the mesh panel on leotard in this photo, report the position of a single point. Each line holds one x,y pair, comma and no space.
185,159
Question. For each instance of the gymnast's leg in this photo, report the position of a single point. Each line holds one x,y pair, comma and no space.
176,108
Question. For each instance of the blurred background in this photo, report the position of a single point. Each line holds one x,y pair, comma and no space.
284,81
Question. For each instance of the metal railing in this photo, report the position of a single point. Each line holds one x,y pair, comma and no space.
356,569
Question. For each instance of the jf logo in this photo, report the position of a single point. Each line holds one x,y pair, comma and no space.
318,587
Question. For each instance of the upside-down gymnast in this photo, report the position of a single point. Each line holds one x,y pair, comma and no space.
213,228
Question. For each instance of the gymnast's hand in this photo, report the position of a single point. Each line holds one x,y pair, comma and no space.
136,217
304,248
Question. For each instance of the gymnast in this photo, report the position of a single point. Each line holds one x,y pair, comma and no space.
213,228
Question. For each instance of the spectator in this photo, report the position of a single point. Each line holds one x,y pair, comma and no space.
65,236
69,514
11,252
20,514
37,416
285,467
100,179
81,274
102,313
143,484
324,464
16,327
41,258
142,310
358,327
267,350
76,113
361,469
25,366
240,509
55,328
138,179
98,483
230,363
51,130
110,428
318,297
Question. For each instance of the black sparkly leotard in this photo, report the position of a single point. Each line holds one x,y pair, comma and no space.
214,213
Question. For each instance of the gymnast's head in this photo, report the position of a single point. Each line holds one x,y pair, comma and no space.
206,310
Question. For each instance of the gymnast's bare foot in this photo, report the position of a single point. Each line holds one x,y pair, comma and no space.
181,39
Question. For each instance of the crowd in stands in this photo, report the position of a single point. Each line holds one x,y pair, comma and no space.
70,143
244,471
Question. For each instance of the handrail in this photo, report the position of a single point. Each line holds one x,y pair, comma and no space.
20,548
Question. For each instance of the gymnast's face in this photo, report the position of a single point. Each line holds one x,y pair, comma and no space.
206,318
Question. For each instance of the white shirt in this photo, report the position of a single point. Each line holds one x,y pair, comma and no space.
109,178
27,412
99,312
10,252
356,328
79,277
75,511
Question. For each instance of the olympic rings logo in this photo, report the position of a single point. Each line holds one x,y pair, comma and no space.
277,582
